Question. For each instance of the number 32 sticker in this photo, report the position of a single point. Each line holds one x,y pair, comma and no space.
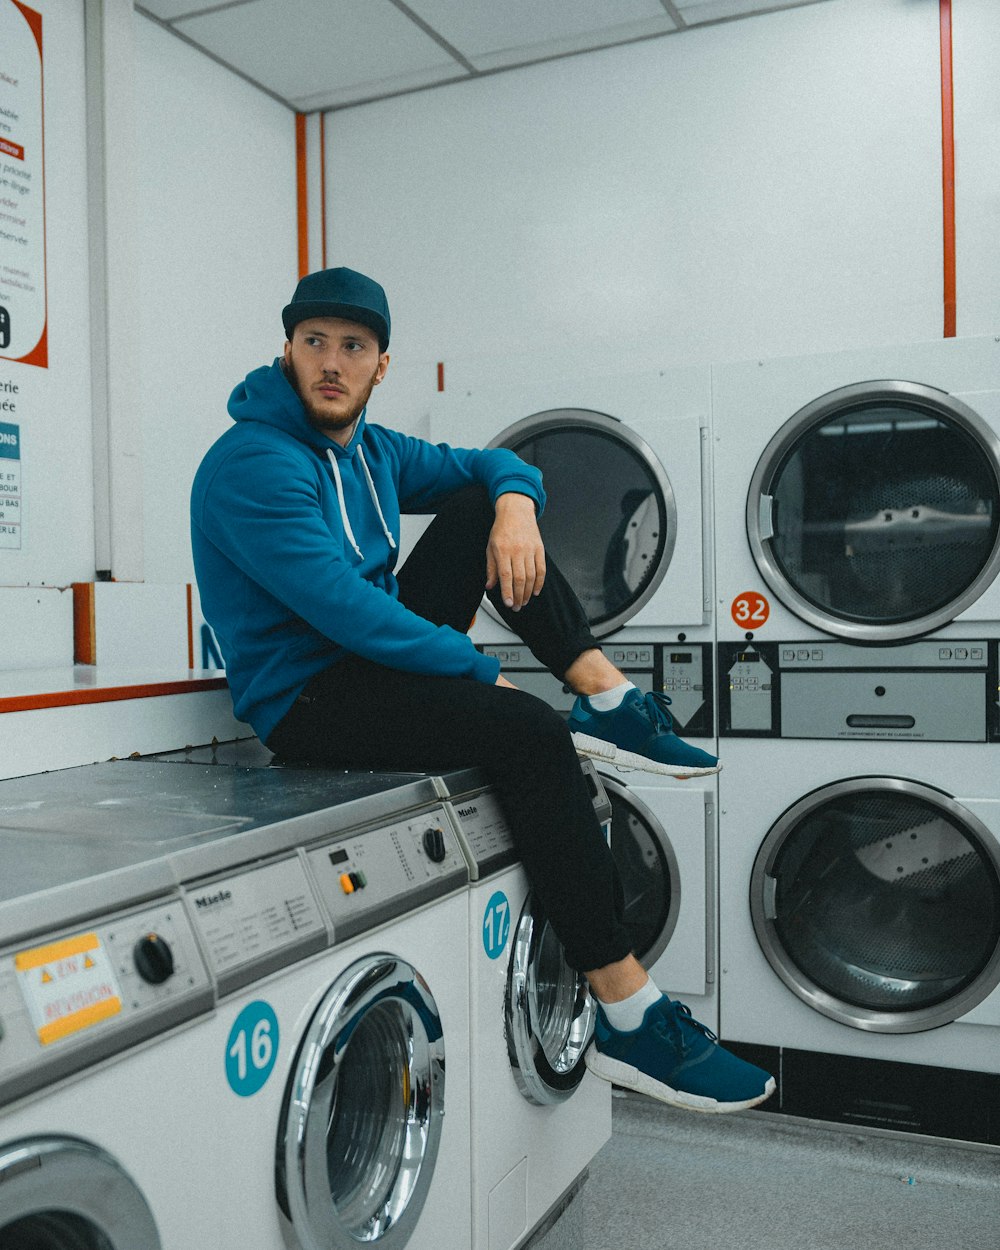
750,609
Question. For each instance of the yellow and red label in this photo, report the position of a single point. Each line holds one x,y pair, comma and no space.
68,986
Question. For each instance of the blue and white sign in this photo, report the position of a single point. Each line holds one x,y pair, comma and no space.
10,486
496,925
251,1048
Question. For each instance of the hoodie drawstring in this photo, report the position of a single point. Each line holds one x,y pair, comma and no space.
338,481
374,494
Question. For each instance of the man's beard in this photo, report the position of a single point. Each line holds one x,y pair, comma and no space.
324,421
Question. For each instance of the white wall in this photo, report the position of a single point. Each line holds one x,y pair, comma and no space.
977,165
757,188
217,262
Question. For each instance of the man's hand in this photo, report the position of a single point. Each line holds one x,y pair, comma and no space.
515,556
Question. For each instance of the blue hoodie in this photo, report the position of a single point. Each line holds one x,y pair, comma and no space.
295,541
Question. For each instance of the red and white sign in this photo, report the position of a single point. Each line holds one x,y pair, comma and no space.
23,299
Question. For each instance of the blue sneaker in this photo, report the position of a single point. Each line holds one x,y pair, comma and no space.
674,1058
637,734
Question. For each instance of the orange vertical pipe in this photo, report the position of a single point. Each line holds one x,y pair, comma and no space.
948,171
84,624
302,189
190,626
322,183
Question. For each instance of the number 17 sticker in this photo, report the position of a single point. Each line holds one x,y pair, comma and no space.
750,609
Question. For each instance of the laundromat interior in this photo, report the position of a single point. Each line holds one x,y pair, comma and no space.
728,273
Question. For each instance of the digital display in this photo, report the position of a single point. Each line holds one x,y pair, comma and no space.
680,657
748,657
339,857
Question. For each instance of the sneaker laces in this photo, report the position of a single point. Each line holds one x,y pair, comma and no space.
672,1019
656,710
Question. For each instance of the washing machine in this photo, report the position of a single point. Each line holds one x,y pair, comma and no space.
626,467
664,837
858,535
85,1162
538,1115
319,921
859,903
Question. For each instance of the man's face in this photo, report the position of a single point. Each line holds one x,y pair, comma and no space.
333,365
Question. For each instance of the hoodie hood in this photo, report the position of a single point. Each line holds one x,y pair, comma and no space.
267,396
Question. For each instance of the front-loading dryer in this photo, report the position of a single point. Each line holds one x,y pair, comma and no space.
857,515
664,838
859,909
625,465
538,1115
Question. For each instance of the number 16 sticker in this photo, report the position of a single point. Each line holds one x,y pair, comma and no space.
251,1048
750,609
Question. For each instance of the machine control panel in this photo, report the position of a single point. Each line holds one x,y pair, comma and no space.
686,676
368,876
256,921
929,690
487,837
682,670
70,998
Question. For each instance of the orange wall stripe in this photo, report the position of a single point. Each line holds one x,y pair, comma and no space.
84,628
440,375
107,694
322,183
302,191
948,172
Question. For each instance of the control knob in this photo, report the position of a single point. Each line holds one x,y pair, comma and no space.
154,960
434,845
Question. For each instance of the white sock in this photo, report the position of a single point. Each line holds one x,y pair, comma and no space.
608,700
627,1015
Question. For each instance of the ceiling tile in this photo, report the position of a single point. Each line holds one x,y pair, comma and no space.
321,49
696,11
478,28
510,58
166,10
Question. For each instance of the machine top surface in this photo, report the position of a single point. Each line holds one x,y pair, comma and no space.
138,827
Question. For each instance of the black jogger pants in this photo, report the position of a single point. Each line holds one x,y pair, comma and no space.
358,714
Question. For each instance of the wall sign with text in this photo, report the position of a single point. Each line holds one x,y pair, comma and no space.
23,303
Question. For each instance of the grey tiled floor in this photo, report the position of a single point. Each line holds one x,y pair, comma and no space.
762,1182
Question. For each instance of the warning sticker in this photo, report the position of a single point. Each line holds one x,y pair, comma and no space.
67,986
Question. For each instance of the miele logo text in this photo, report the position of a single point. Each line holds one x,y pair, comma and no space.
209,900
468,811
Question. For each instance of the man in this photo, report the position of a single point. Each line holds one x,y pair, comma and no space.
334,658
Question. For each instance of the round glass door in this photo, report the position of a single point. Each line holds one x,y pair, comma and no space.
877,902
549,1012
361,1122
61,1193
649,873
874,512
611,519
